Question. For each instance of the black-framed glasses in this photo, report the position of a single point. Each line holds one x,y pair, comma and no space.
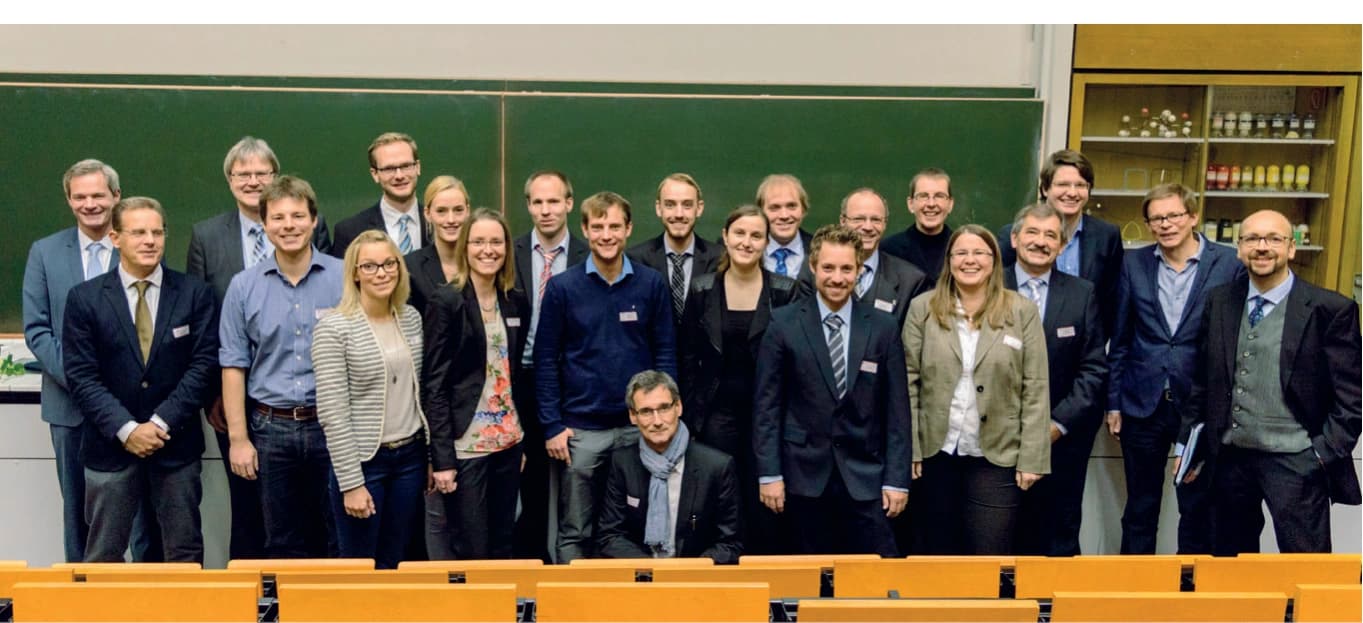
1273,240
389,265
1174,218
649,412
393,170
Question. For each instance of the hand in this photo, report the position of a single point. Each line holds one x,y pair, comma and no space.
1188,477
522,462
242,454
917,470
444,480
558,446
358,503
1055,433
773,495
893,502
1025,480
1114,423
146,439
216,416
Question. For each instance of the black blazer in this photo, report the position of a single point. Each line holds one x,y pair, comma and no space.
1100,262
1075,354
1319,367
708,518
112,385
426,276
525,278
653,254
894,283
801,430
215,249
700,343
371,218
455,362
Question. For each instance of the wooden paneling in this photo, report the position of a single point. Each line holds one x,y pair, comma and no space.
1249,47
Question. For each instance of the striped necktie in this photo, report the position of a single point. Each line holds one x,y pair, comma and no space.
678,283
258,248
405,234
549,256
834,324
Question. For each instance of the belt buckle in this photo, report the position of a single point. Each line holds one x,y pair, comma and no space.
1168,395
293,413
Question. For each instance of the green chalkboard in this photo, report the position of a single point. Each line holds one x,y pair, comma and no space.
168,142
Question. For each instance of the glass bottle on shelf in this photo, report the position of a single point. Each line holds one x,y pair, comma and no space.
1278,126
1274,177
1303,177
1261,126
1308,126
1289,176
1246,124
1218,122
1293,126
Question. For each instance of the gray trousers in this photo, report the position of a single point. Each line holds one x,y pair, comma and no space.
112,500
577,487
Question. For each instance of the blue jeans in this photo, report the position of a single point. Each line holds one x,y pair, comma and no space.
294,470
396,479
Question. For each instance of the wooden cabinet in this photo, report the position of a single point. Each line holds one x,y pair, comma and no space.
1125,167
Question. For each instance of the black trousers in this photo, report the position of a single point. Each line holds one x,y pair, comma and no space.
1053,508
764,532
531,536
1294,488
834,523
964,505
482,510
1146,443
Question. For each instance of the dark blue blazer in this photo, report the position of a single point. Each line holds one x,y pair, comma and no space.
802,431
1100,262
1075,357
369,218
112,385
1143,354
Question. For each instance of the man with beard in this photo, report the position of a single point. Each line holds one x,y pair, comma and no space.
678,253
395,167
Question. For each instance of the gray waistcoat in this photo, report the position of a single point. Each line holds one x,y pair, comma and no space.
1260,419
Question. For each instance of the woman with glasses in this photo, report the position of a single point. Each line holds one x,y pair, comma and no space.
725,317
475,333
367,358
976,359
446,206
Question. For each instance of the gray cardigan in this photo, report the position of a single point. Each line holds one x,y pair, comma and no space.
352,388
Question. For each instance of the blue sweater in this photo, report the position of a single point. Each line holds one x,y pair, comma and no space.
592,337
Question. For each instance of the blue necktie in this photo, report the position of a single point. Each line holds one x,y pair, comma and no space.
94,267
1257,314
404,234
780,255
258,249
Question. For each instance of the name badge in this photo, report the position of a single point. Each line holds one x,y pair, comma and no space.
1064,332
629,316
320,312
869,366
885,306
179,332
632,501
513,322
1012,342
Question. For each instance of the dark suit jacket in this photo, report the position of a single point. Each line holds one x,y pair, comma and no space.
1143,353
455,362
1075,354
1100,262
525,278
426,276
371,218
804,273
708,519
653,254
700,343
113,386
802,430
215,249
1319,368
894,283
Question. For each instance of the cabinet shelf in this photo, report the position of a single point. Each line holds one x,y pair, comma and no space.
1259,194
1140,139
1272,141
1141,244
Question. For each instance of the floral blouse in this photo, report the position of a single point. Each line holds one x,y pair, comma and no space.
496,425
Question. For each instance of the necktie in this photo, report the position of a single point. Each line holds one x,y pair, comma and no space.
142,319
548,271
834,324
678,283
94,267
258,249
1034,291
405,234
1257,314
863,280
780,255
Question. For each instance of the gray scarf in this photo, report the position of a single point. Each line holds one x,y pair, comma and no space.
660,465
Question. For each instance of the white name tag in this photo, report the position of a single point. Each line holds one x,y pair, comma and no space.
1012,342
1064,332
885,306
629,316
513,322
318,313
632,501
869,366
179,332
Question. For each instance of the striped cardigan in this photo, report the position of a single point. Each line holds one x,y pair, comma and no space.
352,387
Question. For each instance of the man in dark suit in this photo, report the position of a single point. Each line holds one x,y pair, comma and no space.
1277,386
140,348
395,167
1152,358
783,199
546,250
668,496
219,248
885,281
1094,247
1052,510
924,243
678,253
831,426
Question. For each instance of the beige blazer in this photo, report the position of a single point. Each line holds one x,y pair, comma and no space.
1011,380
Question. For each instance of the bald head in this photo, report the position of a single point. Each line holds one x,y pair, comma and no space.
1265,247
864,212
1270,218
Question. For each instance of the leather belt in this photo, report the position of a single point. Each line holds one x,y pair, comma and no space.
398,443
299,414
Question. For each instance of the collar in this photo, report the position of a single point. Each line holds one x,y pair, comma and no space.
1276,294
1197,255
537,242
1023,276
270,265
845,313
391,213
873,262
1080,227
625,271
128,280
85,241
247,224
689,250
796,246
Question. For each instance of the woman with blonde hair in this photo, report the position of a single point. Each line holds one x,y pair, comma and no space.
446,205
475,333
978,390
367,358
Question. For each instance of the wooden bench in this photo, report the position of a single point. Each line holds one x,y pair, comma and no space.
368,576
644,564
785,582
824,561
10,577
1326,603
1121,606
13,564
818,611
81,568
653,602
345,603
161,576
1273,573
183,602
910,577
268,566
1039,578
528,578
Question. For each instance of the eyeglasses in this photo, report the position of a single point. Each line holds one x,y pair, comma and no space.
244,176
1273,240
1071,185
1167,218
862,220
937,196
975,253
393,170
389,265
480,243
649,412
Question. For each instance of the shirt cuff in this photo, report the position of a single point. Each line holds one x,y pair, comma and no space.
766,480
1063,430
126,430
156,419
889,488
1178,449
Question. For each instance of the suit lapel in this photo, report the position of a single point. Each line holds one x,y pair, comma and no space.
1153,289
686,501
231,237
711,316
1205,266
76,257
988,337
115,297
1088,251
523,271
170,292
856,347
1297,309
430,265
762,315
1055,304
818,342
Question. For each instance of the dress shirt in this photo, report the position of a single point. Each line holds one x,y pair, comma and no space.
391,215
1068,260
869,268
963,431
85,241
1174,286
537,249
1273,297
248,244
626,269
797,255
689,254
1023,277
153,299
846,314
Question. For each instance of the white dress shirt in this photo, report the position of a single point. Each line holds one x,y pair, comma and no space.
391,216
963,430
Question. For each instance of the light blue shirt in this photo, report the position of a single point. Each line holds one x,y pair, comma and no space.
625,271
868,272
797,255
1022,278
846,314
267,325
1175,286
1068,260
248,243
560,264
1272,298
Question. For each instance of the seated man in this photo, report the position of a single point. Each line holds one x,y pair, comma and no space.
668,496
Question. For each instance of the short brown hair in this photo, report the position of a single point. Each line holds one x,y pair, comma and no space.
1174,189
506,275
682,178
1065,158
596,206
1040,210
562,177
288,187
835,235
388,138
129,204
929,172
